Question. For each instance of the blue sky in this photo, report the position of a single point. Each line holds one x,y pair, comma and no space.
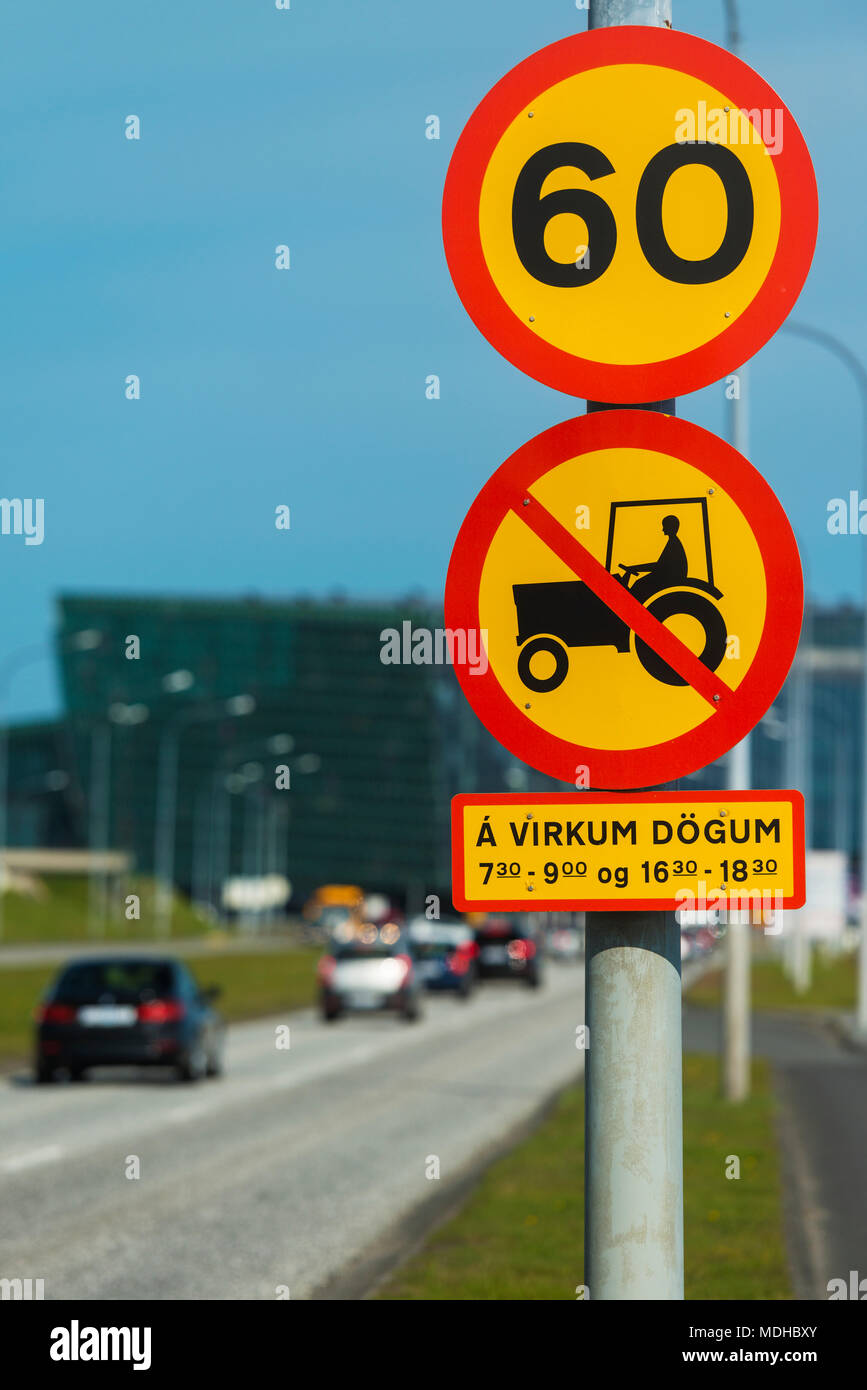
306,127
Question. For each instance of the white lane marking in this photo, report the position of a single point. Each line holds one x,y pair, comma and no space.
49,1153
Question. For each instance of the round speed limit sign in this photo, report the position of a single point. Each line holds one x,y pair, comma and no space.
630,214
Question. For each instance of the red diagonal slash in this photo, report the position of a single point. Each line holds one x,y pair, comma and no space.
621,602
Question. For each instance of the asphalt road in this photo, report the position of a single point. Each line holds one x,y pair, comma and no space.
286,1171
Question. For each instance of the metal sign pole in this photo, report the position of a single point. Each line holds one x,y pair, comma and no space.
633,1239
520,294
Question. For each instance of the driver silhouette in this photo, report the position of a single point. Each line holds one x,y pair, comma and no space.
670,568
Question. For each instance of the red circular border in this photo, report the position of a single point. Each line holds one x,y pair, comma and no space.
579,376
644,767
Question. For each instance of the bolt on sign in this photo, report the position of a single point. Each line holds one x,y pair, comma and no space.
655,851
630,214
639,591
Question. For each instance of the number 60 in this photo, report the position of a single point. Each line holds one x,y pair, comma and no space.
531,214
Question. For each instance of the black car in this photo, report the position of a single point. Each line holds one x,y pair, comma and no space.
507,949
128,1011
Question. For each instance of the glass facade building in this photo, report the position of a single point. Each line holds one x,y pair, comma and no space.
252,694
372,752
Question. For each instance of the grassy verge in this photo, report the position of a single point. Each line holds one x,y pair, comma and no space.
253,986
521,1234
60,912
832,985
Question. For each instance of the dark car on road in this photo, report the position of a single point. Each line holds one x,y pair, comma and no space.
128,1011
445,955
508,949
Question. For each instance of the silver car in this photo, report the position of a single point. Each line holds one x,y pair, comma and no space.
374,970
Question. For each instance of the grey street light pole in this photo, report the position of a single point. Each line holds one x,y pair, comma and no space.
253,804
739,757
633,1134
99,795
167,792
736,991
733,29
799,774
827,708
856,367
214,847
99,803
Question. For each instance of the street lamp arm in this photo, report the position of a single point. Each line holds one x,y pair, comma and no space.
834,345
18,660
853,363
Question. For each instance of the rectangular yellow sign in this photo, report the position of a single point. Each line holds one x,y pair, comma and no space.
639,851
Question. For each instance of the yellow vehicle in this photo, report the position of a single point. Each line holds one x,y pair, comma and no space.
331,905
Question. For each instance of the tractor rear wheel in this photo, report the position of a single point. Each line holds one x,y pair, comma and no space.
561,664
690,605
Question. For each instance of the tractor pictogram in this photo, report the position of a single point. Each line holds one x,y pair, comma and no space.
554,616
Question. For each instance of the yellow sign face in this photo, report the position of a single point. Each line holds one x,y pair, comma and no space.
637,589
630,214
664,317
656,850
615,503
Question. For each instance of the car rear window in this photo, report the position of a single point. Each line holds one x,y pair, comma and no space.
433,950
126,981
500,932
358,950
333,916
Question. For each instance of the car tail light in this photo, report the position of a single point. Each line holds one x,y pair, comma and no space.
325,969
522,950
406,962
161,1011
459,961
55,1013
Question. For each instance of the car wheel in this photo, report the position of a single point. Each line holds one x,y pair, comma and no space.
193,1064
411,1013
44,1074
330,1015
77,1073
533,981
216,1065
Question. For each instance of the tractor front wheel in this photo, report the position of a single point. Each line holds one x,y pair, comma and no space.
691,605
561,664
